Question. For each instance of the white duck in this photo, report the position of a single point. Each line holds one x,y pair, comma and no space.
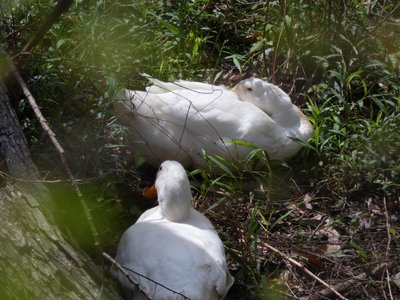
174,245
178,120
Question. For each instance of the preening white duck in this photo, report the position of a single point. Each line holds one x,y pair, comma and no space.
178,120
174,245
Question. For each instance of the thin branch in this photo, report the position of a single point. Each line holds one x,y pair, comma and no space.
56,144
388,284
349,283
123,269
126,274
387,228
61,7
342,286
305,270
10,177
379,25
389,237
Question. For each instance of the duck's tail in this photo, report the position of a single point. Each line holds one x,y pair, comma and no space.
123,106
158,86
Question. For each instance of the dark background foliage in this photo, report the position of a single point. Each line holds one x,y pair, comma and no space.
339,61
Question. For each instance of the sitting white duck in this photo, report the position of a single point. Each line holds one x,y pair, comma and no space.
174,245
178,120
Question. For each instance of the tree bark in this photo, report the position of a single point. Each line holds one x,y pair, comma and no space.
36,262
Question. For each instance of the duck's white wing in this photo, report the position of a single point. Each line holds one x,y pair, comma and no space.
208,240
159,87
214,120
181,257
178,125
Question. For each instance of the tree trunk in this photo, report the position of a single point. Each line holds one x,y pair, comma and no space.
36,262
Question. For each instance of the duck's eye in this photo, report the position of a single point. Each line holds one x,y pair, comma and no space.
160,168
249,89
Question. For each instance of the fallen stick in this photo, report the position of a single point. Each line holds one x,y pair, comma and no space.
305,270
123,270
349,283
343,286
126,274
389,237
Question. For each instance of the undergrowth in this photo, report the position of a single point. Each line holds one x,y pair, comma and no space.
334,207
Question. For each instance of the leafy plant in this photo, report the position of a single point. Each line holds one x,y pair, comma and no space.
339,60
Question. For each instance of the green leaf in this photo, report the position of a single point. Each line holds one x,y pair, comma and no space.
257,46
237,63
171,28
243,143
350,78
220,165
60,43
281,218
254,154
263,217
110,146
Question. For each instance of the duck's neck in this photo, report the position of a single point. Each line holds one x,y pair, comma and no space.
286,116
280,108
277,104
175,200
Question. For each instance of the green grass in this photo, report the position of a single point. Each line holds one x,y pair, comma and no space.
339,60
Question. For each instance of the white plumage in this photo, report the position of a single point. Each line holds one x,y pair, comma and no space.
174,245
178,120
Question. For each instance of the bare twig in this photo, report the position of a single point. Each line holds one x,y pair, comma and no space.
387,227
61,7
379,25
9,177
349,283
388,283
123,269
389,239
305,270
56,144
343,286
317,228
126,274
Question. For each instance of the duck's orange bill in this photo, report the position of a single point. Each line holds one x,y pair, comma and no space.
150,192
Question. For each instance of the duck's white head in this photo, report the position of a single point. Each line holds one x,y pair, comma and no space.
265,95
173,191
